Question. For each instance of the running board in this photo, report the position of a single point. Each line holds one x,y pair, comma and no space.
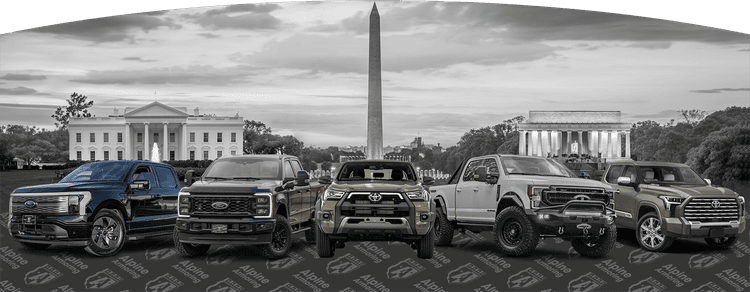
300,230
139,236
474,224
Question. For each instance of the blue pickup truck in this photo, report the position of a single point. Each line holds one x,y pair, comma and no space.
98,206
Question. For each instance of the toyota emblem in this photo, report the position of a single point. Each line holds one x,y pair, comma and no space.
715,204
375,197
219,205
29,204
582,198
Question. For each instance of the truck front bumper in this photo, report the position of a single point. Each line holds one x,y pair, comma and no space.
225,231
680,227
58,230
330,221
574,219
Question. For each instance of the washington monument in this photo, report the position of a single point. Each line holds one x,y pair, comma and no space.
374,91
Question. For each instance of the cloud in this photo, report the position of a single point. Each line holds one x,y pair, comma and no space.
193,75
651,45
28,106
744,50
240,16
20,90
107,29
138,59
22,77
209,35
719,90
665,114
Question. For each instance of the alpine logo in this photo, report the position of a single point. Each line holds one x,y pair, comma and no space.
41,275
292,259
163,283
344,265
525,279
705,260
404,269
465,274
641,256
222,256
586,283
226,285
288,287
161,251
647,285
102,280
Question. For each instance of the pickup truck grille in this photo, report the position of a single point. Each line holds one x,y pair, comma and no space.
561,195
712,209
44,205
390,205
236,205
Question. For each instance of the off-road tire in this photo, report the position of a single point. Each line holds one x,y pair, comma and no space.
426,245
444,229
643,242
189,249
324,245
107,221
34,246
281,239
721,242
596,247
520,242
310,235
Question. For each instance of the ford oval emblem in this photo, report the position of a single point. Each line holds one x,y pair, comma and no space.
219,205
30,204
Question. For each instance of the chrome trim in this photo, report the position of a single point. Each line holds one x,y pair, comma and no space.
381,193
270,205
623,214
372,224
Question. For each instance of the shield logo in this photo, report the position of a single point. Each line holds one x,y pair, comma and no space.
401,270
41,275
644,286
281,264
222,256
582,284
463,274
161,251
102,280
288,287
341,265
221,286
219,205
162,284
375,197
641,256
708,287
705,260
523,279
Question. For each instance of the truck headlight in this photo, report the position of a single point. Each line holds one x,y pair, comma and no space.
418,195
535,195
183,209
263,205
332,195
671,200
74,204
742,200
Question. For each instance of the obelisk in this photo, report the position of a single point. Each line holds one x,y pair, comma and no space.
374,91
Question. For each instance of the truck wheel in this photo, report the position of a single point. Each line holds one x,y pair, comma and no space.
310,236
515,234
281,239
649,233
34,246
324,244
443,228
596,247
426,245
189,249
721,242
107,233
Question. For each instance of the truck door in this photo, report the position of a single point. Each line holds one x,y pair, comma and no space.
466,191
485,197
624,213
306,194
294,195
146,205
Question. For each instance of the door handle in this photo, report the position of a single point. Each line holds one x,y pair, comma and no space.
476,190
458,190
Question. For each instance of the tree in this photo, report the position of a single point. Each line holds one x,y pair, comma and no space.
693,116
25,143
77,107
724,156
326,165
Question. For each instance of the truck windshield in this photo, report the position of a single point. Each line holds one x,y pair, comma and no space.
98,172
244,168
670,175
533,166
389,171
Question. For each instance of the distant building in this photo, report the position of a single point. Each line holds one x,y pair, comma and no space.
417,143
131,135
558,133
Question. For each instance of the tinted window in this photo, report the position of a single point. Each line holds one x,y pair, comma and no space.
370,170
253,167
144,173
288,170
491,165
470,169
670,175
98,172
296,166
534,166
166,177
629,172
613,173
456,175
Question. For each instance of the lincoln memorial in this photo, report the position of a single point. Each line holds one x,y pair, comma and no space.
562,133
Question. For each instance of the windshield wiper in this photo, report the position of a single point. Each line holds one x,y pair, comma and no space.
246,177
217,178
539,174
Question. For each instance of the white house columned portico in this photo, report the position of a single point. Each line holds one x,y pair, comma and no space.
177,134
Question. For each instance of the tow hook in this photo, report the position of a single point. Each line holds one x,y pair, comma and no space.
585,227
561,230
601,231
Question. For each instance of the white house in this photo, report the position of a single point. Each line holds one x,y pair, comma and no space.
132,134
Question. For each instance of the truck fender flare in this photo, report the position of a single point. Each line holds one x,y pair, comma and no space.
440,200
280,201
112,204
650,204
512,196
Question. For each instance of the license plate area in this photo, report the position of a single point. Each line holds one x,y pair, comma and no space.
716,232
218,228
29,219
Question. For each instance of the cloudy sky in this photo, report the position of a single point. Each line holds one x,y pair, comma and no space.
301,67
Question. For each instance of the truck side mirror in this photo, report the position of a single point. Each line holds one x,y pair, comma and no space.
140,185
189,177
493,177
428,180
708,181
288,185
480,174
303,178
624,181
326,179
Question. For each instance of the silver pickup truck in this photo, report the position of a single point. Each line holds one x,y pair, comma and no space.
521,199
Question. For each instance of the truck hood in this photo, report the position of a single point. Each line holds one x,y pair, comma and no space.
688,190
67,187
544,181
369,186
233,186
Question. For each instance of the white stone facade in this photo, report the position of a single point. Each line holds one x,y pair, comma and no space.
132,134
